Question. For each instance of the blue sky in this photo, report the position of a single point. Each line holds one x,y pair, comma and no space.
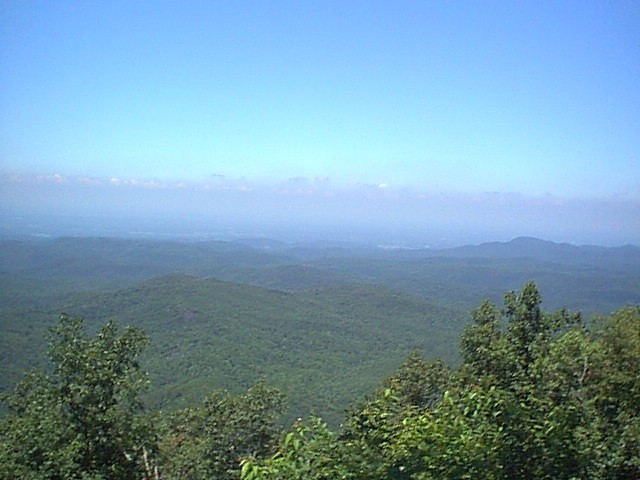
538,101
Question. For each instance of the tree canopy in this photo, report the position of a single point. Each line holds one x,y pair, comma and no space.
537,395
85,418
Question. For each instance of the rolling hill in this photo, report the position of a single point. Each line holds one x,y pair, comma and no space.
324,323
324,347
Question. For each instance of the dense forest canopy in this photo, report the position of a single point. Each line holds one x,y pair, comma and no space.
264,359
537,395
323,322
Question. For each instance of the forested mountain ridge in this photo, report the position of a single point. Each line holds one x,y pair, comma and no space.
591,279
79,255
110,262
370,302
537,395
627,256
323,347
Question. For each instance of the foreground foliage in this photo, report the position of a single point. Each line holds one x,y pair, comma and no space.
537,395
85,419
210,441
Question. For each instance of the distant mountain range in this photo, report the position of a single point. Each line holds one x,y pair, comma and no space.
324,322
529,247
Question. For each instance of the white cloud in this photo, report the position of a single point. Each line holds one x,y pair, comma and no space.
52,178
302,199
89,181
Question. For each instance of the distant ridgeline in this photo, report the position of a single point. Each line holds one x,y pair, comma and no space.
324,323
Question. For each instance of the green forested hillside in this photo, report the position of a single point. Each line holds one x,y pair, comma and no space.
98,263
323,323
536,395
324,347
591,279
591,288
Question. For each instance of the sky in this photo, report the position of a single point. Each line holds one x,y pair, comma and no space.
503,117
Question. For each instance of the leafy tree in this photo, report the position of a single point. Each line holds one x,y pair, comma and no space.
617,393
455,440
85,419
533,359
417,386
418,382
569,407
484,346
210,441
310,451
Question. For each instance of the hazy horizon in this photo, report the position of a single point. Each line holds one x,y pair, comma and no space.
412,122
304,210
